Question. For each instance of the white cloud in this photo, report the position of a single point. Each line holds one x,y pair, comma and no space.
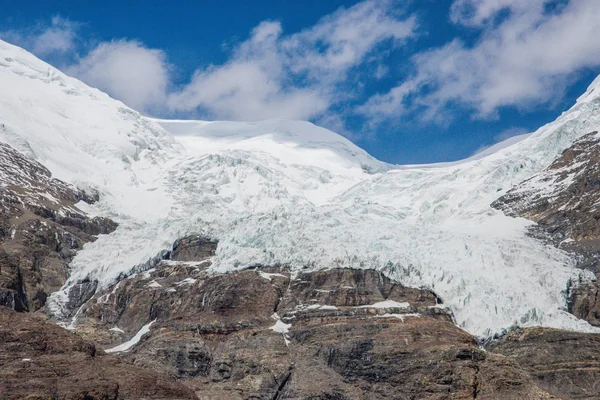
251,86
128,71
296,76
526,56
269,75
475,13
44,39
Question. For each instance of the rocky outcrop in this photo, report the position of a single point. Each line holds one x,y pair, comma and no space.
584,301
264,334
565,364
193,248
261,333
40,230
564,200
39,360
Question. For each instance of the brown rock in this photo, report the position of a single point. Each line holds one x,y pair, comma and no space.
563,200
565,364
39,360
219,335
40,230
193,248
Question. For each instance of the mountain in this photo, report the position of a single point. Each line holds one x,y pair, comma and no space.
184,245
290,193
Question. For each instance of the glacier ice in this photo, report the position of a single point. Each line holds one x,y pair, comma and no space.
289,192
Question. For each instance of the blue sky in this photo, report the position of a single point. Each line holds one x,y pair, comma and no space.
409,81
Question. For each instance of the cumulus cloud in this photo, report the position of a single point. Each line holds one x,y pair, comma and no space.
251,86
271,74
526,55
128,71
294,76
59,36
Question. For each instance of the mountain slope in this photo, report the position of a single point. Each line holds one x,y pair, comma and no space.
40,230
282,192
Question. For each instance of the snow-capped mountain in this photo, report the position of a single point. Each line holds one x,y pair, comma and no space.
290,193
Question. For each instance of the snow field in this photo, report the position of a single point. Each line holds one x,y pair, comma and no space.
291,193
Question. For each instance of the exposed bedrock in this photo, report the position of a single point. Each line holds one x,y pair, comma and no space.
565,364
41,229
39,360
564,201
264,334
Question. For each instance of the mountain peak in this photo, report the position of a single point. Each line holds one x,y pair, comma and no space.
290,193
592,92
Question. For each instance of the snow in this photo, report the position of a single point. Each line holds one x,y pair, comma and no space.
591,93
116,329
387,304
283,328
320,308
290,193
133,341
186,281
313,307
269,276
401,317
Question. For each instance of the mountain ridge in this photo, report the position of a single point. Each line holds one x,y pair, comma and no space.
423,226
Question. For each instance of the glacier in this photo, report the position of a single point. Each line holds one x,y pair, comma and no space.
294,194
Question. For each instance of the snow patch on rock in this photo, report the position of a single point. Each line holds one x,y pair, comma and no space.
133,341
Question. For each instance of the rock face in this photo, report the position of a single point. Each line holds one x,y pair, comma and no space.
564,201
39,360
193,248
565,364
263,334
40,230
585,301
183,332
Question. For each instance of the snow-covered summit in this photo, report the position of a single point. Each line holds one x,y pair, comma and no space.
291,193
294,142
82,135
592,93
303,150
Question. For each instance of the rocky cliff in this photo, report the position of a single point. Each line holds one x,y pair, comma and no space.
255,261
334,334
564,201
41,229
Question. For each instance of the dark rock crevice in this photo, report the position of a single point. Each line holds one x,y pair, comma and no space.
281,389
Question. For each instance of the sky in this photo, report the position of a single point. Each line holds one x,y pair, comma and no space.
411,82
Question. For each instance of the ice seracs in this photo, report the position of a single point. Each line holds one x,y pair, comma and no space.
290,193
